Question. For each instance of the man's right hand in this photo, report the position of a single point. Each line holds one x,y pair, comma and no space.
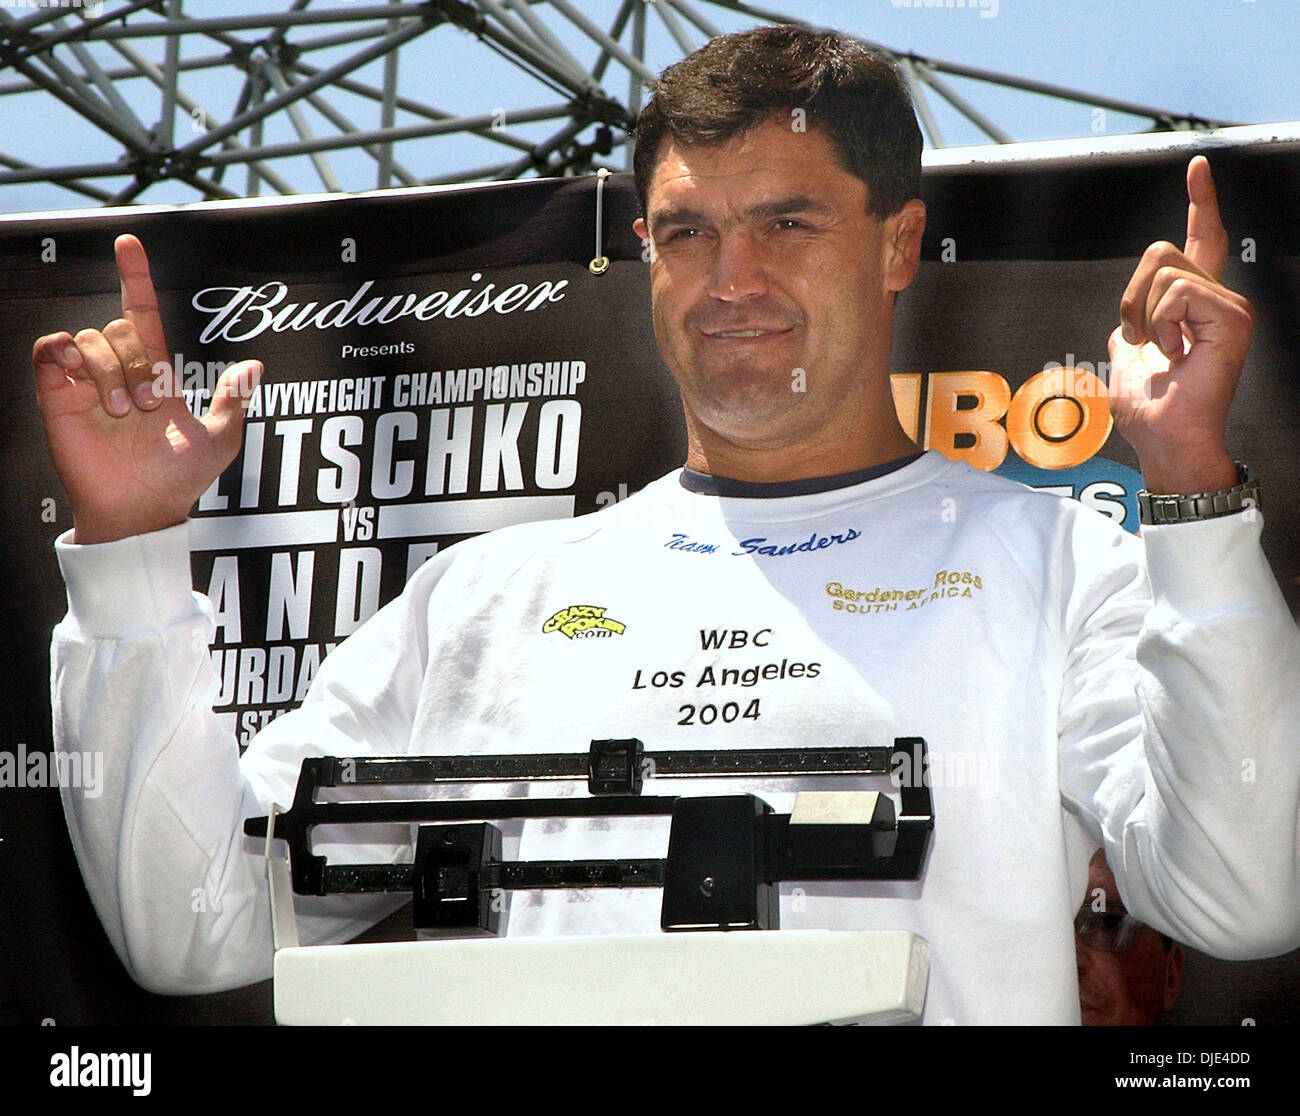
126,446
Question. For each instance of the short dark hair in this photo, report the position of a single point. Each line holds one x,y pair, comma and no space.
848,91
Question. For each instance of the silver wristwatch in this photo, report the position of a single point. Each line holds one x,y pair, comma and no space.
1155,509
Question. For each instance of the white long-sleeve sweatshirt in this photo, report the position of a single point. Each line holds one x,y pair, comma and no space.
1076,686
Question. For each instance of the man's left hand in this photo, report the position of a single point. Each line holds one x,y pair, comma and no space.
1178,352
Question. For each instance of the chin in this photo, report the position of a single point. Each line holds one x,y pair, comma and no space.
747,409
749,429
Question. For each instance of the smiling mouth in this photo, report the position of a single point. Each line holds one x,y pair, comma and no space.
742,334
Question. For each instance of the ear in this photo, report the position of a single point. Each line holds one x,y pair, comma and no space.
903,233
638,227
1173,973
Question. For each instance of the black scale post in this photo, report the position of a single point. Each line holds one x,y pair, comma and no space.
725,853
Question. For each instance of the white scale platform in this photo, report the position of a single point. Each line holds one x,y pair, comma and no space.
698,978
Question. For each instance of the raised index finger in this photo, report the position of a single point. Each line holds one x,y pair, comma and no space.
1207,240
139,302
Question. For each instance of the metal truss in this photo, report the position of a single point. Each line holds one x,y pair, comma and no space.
338,95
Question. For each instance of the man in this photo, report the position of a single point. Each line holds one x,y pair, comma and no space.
778,172
1128,973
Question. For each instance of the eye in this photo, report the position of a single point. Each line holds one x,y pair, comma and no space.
683,234
786,223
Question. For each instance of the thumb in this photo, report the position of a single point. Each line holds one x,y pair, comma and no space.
230,399
1119,384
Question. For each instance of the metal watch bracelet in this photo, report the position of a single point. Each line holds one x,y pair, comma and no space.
1155,509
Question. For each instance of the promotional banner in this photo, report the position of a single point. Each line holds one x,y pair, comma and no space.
445,362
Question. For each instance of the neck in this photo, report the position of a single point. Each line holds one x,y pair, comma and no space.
766,464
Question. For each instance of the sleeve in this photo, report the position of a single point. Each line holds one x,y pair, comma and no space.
1180,731
180,891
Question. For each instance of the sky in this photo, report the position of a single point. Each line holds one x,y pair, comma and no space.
1224,59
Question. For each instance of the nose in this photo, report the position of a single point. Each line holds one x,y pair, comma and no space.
738,271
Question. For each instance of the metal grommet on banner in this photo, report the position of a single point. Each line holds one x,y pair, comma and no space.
600,263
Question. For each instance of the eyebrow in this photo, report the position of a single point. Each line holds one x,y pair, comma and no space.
779,207
782,206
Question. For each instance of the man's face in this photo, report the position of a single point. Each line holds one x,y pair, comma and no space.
1130,988
773,288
